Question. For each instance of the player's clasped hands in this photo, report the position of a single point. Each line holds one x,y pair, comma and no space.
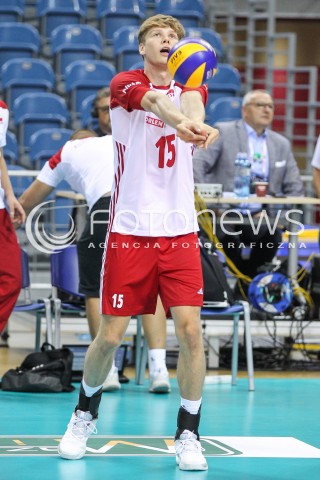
197,133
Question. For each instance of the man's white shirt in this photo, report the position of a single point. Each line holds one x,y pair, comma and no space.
86,164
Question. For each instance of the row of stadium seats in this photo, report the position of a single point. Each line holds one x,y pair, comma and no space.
111,14
83,77
73,42
45,142
37,108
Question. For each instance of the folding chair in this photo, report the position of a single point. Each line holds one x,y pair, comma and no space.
10,149
84,78
125,47
209,312
33,111
18,40
25,75
114,14
191,13
65,279
12,11
74,42
53,13
40,307
239,309
224,109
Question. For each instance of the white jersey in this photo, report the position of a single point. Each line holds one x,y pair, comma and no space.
153,189
86,164
316,156
4,120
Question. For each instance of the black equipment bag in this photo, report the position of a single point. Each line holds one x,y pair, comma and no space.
216,287
47,371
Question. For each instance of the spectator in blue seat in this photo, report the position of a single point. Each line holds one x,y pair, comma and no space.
316,168
101,111
271,159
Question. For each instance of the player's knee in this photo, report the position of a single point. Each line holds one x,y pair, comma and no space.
110,340
190,336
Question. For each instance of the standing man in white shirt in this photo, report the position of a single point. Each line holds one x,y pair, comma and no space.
316,168
152,242
10,256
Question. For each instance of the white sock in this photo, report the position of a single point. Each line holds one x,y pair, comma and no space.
89,391
192,406
157,360
113,368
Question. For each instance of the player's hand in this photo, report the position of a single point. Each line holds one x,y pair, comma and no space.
17,213
212,134
199,134
191,132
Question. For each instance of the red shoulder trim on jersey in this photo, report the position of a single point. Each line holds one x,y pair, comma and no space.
128,88
3,104
55,159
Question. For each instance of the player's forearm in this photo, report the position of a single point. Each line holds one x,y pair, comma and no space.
161,106
5,179
192,106
35,194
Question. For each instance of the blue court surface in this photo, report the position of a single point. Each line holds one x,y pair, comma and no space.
270,434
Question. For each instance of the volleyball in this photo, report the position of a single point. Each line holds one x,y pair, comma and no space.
192,62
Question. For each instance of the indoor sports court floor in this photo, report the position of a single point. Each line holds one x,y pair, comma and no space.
270,434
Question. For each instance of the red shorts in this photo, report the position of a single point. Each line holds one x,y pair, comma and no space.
10,268
137,269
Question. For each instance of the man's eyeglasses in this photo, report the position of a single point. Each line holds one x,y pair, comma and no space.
104,109
262,105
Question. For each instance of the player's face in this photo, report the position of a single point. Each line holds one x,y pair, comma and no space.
158,43
259,112
103,107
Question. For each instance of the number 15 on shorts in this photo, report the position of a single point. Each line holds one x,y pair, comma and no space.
117,300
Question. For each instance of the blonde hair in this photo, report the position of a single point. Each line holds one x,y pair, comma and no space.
161,21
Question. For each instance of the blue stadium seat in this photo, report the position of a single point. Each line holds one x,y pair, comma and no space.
21,75
137,66
189,12
210,36
10,150
11,11
18,40
46,142
224,109
113,14
226,82
83,78
86,119
19,182
53,13
125,47
33,111
74,42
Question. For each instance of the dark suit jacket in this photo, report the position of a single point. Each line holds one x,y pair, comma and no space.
216,164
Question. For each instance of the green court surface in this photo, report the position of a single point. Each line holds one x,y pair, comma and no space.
270,434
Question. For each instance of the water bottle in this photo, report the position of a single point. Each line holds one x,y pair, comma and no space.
237,175
245,172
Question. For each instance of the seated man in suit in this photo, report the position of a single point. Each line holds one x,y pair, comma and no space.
271,159
316,168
